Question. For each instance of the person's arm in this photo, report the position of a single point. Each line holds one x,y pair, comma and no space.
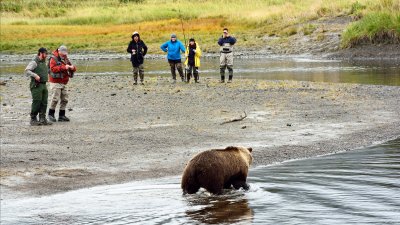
144,48
220,41
198,51
56,69
232,40
182,47
164,47
187,51
129,49
29,70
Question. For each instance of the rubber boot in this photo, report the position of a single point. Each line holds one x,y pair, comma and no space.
230,79
52,118
62,117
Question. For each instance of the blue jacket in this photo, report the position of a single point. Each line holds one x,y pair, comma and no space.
173,49
229,39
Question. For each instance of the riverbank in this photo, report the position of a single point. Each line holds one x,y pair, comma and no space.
121,132
313,27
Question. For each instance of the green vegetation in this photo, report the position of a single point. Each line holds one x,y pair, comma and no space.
106,25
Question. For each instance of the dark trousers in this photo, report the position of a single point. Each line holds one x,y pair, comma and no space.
39,99
176,64
192,70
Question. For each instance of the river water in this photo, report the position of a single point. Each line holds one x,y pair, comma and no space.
273,68
356,187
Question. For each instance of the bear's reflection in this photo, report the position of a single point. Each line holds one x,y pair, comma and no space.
220,209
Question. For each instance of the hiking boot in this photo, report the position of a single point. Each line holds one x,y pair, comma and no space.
222,81
229,81
34,122
135,83
44,121
141,83
52,118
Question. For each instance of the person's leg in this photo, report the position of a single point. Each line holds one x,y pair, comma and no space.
63,105
135,74
43,105
55,89
229,62
222,66
173,73
189,73
180,70
141,73
196,74
36,102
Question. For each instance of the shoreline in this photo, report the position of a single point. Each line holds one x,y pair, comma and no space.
121,133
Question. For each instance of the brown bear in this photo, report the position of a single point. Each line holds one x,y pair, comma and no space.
217,169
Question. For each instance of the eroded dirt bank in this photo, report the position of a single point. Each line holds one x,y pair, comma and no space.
121,132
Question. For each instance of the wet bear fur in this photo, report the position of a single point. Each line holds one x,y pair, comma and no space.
217,169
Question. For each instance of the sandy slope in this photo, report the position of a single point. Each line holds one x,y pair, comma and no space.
121,132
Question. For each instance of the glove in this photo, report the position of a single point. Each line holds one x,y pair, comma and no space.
194,50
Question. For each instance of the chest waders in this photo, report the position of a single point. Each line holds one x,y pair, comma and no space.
39,94
226,61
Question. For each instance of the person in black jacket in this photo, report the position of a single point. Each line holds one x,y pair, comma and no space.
138,50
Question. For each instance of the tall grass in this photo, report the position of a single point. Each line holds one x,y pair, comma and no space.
99,25
380,25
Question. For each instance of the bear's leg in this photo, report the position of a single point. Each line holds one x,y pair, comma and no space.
241,184
228,185
191,189
215,188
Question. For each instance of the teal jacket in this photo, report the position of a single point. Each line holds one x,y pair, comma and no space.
173,49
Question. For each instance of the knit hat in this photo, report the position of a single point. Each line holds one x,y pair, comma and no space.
173,35
63,49
135,33
191,39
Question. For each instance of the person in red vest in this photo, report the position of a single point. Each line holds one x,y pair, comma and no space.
60,70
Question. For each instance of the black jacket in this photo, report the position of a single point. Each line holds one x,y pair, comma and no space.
141,50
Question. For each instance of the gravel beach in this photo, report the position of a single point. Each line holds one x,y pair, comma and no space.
120,132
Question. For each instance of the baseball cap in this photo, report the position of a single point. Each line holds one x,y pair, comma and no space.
42,50
63,49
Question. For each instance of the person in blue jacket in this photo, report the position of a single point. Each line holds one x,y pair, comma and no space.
174,48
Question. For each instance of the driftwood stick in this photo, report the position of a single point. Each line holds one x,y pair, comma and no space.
235,120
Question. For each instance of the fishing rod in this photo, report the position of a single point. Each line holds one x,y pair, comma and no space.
184,37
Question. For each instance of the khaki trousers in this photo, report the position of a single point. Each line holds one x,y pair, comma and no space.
59,93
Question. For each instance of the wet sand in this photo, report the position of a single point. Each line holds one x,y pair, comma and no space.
120,132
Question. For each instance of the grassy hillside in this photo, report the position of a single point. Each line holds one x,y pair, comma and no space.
107,25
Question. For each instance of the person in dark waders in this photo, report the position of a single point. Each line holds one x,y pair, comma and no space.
174,48
192,63
138,50
38,71
226,43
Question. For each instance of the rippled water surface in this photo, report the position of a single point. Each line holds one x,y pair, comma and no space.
300,69
357,187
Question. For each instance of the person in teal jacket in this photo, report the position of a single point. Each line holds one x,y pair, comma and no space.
174,48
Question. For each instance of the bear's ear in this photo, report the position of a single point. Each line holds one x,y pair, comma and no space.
231,148
250,149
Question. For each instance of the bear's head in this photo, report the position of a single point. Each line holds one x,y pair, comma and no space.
245,152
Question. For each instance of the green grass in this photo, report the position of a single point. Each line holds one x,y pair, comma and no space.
107,25
377,27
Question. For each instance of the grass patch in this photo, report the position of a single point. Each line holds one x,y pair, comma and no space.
375,28
108,24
